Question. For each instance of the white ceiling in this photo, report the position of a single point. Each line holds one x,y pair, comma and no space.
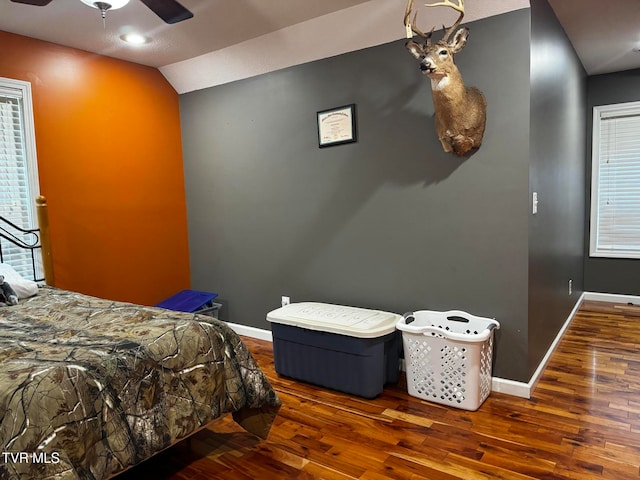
603,33
216,24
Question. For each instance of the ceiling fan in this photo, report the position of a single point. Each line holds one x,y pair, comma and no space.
168,10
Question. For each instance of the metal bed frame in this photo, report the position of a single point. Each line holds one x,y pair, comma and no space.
32,239
27,239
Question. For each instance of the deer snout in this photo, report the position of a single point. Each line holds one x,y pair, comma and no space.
427,66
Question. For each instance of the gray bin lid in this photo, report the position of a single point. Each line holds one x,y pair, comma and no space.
340,319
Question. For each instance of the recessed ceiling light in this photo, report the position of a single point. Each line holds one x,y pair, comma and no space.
134,38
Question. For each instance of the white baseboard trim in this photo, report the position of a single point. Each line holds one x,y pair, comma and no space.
502,385
522,389
611,297
252,332
511,387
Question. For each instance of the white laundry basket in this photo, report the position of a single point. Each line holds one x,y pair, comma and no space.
448,356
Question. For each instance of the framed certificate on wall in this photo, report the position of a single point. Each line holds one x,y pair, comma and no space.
337,126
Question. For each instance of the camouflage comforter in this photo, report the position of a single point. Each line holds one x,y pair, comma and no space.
89,387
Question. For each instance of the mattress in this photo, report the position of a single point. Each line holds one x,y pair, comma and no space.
90,387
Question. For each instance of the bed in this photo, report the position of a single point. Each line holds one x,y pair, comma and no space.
90,387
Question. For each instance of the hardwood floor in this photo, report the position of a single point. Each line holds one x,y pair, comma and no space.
582,422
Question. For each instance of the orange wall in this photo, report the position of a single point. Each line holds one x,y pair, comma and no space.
110,164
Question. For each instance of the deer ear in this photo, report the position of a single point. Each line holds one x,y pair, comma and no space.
414,48
459,39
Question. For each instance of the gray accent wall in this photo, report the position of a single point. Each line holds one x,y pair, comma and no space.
390,222
609,275
557,174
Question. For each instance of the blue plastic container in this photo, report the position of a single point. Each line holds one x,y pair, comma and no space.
191,301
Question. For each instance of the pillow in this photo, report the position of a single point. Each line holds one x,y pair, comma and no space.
24,288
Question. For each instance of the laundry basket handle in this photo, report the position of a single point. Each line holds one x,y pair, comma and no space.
458,318
409,317
405,325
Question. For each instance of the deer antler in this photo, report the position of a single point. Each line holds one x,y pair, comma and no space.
413,25
459,7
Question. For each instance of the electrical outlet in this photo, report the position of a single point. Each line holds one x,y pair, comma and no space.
285,300
534,203
570,287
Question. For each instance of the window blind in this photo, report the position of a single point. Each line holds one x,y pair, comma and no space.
16,195
616,182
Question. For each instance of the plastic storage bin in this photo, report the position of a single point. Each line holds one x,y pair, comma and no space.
448,356
192,301
353,350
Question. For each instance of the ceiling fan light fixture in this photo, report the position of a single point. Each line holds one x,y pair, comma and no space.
108,5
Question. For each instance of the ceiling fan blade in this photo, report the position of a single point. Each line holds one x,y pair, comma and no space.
168,10
37,3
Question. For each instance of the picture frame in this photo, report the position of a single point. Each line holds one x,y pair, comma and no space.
337,126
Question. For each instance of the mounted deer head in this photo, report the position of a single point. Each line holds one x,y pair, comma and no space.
460,112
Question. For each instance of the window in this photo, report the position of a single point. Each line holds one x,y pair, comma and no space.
18,172
615,185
